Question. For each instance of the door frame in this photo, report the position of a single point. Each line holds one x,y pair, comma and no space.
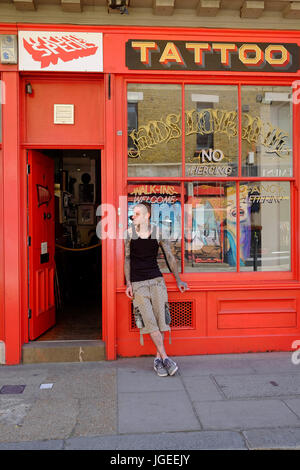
41,148
108,196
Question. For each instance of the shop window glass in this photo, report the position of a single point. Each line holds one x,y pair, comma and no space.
211,130
267,131
154,130
165,200
265,226
132,121
210,227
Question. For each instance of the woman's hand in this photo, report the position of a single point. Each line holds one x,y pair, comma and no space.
128,291
182,286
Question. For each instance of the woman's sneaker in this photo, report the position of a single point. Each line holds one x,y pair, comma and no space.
159,368
170,366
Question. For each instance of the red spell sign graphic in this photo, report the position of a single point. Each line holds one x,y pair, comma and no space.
41,50
65,48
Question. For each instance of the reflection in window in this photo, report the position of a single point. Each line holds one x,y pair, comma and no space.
165,213
205,140
267,131
211,130
132,121
210,227
154,140
265,239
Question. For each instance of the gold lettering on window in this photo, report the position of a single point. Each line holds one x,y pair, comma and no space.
207,121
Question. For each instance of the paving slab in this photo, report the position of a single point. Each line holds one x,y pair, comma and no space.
50,419
203,440
83,384
202,388
13,410
47,419
245,414
284,438
277,361
156,412
294,405
96,416
142,363
206,365
266,385
133,380
33,445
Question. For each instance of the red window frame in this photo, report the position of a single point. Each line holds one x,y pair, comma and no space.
238,277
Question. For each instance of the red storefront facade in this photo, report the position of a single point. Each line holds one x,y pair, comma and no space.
203,122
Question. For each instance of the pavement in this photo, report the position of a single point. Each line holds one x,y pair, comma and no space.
214,402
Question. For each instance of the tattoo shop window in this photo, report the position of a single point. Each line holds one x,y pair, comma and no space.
267,123
210,227
165,213
154,139
265,226
211,130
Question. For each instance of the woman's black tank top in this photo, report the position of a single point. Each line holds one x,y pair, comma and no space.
143,259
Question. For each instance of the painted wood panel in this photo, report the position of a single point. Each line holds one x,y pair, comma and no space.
225,322
259,312
262,313
86,96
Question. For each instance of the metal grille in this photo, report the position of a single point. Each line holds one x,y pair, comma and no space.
181,315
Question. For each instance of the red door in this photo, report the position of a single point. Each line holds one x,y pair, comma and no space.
41,230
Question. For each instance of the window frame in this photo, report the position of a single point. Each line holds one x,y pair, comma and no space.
238,276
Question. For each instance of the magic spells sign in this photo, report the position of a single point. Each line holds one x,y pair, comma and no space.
217,56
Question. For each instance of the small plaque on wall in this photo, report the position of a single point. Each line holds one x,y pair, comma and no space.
64,114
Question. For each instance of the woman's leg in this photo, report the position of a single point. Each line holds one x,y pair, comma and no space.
158,339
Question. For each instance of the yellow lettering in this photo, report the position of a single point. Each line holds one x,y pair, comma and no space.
198,47
281,61
171,54
224,49
245,49
144,48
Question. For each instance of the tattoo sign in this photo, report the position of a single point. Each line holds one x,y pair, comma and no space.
60,51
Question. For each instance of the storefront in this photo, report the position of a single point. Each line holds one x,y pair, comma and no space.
202,124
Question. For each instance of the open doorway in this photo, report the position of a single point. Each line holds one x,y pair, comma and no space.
77,254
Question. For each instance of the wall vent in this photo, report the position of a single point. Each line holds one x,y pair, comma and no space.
181,314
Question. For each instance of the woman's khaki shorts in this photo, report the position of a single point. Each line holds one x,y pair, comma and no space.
150,298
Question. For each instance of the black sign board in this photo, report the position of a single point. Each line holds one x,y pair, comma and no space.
143,54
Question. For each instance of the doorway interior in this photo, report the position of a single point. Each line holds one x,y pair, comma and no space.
78,254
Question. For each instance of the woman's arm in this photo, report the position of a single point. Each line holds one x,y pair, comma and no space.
166,246
127,266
